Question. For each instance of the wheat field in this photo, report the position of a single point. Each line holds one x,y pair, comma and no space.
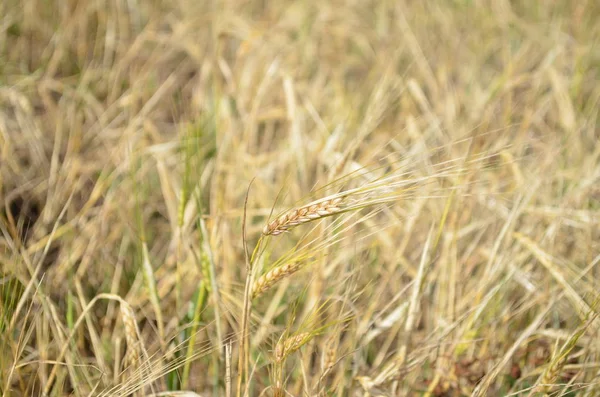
308,198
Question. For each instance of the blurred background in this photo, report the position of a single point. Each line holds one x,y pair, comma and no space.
131,131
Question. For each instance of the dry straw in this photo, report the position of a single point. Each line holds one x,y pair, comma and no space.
131,335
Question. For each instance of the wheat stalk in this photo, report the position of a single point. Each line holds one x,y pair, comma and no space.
267,280
131,335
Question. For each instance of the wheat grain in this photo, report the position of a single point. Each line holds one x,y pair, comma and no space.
302,215
267,280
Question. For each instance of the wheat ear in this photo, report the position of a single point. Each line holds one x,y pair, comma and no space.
329,356
560,359
551,374
289,345
267,280
302,215
132,358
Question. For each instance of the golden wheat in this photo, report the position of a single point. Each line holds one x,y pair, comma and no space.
133,345
328,357
302,215
551,374
267,280
289,345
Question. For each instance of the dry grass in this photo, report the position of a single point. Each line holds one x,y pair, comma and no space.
423,216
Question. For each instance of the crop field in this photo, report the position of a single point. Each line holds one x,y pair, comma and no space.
308,198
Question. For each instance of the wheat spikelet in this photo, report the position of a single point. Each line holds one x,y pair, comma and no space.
328,358
133,345
267,280
302,215
289,345
557,364
551,374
